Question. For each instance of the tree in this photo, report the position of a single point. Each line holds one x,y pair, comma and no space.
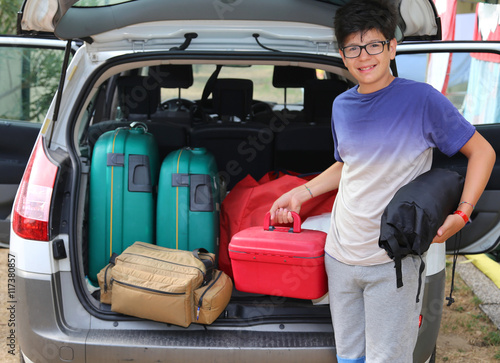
8,15
29,75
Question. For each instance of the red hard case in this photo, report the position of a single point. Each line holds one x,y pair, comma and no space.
279,261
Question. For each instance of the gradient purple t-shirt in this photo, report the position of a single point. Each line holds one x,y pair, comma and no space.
385,140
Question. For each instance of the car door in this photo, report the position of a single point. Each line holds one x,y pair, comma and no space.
30,76
465,73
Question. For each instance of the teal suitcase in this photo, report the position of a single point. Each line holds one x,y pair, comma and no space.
123,178
188,205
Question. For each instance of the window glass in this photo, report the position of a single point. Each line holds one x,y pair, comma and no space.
30,77
93,3
469,80
260,75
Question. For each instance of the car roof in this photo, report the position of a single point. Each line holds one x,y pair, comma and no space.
73,19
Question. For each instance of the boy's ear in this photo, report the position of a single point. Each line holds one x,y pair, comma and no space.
392,48
342,55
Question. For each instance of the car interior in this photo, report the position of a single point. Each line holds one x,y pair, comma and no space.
227,119
254,120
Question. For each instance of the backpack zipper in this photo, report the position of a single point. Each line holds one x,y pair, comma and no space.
113,280
200,301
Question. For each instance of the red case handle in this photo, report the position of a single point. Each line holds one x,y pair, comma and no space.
296,224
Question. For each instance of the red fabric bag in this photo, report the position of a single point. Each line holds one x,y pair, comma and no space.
249,201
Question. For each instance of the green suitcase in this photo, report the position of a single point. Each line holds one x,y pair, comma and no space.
123,178
188,201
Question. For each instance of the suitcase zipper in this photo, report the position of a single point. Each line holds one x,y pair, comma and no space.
113,280
200,301
177,205
111,198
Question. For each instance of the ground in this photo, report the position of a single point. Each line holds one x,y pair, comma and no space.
467,335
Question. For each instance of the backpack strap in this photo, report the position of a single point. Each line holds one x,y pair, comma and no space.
112,259
420,272
456,249
394,246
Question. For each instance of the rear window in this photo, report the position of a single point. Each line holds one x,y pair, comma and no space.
30,77
261,76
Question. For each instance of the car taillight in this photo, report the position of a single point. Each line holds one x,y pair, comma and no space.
31,212
420,320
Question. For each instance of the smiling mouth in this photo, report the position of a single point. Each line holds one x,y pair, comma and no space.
366,68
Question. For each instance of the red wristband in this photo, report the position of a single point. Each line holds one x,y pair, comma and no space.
463,215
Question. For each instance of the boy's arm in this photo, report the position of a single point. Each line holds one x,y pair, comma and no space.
293,199
481,158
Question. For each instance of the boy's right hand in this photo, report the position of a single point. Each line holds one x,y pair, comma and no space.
292,200
284,205
282,216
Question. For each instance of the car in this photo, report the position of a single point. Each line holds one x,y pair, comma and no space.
284,70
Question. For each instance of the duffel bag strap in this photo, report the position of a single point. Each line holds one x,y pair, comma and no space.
208,262
112,259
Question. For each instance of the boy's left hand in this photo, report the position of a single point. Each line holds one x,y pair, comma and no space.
452,224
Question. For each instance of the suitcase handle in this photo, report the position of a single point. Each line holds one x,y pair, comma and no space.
296,224
137,124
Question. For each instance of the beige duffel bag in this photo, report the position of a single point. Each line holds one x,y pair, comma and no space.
167,285
104,279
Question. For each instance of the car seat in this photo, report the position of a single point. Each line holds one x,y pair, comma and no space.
138,96
232,98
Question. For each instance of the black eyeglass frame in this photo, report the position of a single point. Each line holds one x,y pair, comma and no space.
361,47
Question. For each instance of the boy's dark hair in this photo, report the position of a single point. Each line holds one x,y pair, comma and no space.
360,16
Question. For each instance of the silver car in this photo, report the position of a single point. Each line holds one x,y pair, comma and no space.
283,125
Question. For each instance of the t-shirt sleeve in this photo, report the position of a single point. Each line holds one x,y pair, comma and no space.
444,127
335,140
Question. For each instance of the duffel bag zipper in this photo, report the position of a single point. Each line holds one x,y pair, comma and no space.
200,301
204,254
152,247
113,280
106,278
172,263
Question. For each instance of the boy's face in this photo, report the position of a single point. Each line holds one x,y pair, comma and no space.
371,71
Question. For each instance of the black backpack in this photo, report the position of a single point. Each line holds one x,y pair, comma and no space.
415,213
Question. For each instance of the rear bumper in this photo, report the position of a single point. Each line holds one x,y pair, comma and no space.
210,346
45,334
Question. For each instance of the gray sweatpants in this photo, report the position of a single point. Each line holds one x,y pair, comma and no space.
373,320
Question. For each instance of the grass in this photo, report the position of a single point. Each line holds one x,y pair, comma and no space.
492,338
467,334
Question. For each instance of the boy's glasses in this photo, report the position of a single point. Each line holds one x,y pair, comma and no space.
354,51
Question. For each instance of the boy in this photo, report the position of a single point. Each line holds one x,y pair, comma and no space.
384,130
